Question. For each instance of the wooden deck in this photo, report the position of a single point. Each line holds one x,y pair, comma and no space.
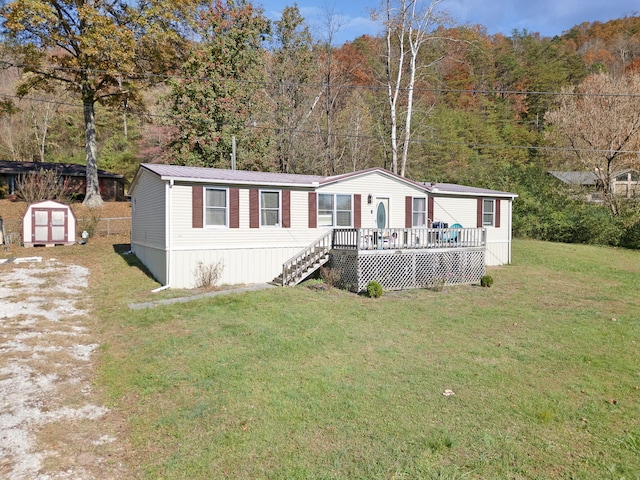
396,257
407,238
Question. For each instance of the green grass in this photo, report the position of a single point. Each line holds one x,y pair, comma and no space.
295,383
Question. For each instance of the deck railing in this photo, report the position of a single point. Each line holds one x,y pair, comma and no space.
415,238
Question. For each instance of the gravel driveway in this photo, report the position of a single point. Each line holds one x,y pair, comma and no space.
52,425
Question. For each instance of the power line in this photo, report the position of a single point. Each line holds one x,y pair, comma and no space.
264,84
415,141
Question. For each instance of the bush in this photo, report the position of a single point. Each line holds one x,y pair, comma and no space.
208,275
90,222
631,236
437,284
42,185
330,276
374,289
486,281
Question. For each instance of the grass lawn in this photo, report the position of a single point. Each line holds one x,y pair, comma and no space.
297,383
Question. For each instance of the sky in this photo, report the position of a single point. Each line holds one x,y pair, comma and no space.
547,17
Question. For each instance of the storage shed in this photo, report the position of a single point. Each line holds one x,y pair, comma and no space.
48,223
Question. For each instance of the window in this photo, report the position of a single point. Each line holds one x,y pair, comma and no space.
270,209
627,177
215,207
12,184
419,212
622,178
488,209
334,210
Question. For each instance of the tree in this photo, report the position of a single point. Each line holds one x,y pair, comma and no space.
408,26
99,49
292,67
599,122
355,145
331,88
220,93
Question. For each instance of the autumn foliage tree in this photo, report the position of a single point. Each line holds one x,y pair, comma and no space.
98,49
599,123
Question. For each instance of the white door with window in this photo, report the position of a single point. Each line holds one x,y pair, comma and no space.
381,213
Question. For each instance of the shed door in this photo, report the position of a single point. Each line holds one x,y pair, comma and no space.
49,225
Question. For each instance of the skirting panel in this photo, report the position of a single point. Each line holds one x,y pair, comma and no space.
405,269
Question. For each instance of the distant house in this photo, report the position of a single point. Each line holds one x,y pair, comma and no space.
273,227
623,183
111,185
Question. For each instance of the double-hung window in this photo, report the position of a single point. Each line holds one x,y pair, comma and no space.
419,213
216,207
335,210
270,208
488,212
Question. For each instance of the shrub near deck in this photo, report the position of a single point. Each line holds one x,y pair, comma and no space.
301,383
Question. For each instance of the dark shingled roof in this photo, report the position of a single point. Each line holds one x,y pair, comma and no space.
66,169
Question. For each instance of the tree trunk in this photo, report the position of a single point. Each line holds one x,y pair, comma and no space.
393,84
92,197
407,126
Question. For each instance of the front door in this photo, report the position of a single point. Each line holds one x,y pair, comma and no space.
49,225
382,212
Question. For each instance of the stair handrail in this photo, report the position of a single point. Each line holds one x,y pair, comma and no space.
314,251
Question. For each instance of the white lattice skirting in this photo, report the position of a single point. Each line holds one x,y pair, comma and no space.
404,269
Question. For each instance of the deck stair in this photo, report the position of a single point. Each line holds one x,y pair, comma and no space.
305,262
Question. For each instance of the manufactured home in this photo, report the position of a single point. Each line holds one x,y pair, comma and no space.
272,227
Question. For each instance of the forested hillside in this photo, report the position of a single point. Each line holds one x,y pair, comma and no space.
429,100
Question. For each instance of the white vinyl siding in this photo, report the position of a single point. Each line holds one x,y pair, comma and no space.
377,185
450,210
186,237
216,213
148,218
155,259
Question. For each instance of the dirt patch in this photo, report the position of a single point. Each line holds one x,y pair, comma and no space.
52,424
